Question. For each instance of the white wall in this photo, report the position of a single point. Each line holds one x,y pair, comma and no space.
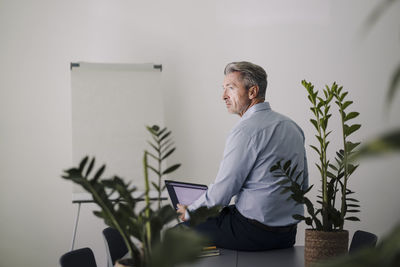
193,40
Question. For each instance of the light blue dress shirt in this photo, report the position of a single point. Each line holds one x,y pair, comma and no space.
260,139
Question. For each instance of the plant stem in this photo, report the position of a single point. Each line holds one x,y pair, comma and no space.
322,135
159,176
324,184
147,198
345,176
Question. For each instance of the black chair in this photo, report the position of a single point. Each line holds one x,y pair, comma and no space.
362,239
78,258
115,245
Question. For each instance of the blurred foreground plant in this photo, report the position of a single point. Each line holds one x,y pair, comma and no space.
148,242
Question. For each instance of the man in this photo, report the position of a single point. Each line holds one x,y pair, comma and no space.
261,218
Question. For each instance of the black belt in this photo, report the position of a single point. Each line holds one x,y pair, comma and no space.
275,229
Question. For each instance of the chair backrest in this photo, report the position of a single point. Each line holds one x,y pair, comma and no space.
78,258
362,239
115,245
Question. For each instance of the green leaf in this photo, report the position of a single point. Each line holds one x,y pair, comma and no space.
350,146
346,104
316,149
380,9
353,210
298,176
314,110
353,205
151,130
343,115
343,96
274,168
340,90
352,218
155,148
321,141
327,109
168,153
166,145
165,136
82,164
308,221
171,169
91,164
349,130
155,186
385,144
309,98
315,123
351,168
319,168
394,85
321,102
161,132
352,199
308,189
285,190
310,206
351,115
324,123
155,139
325,91
287,164
328,133
330,175
152,155
333,167
99,173
277,175
298,217
293,171
154,170
283,182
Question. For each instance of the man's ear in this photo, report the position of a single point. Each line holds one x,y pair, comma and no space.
253,92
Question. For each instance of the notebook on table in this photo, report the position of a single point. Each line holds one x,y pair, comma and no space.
184,193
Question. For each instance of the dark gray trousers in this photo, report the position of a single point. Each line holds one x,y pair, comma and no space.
231,230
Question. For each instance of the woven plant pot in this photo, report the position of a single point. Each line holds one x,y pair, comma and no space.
320,245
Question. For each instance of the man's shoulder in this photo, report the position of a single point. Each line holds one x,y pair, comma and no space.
264,121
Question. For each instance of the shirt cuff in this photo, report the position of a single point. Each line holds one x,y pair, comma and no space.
187,216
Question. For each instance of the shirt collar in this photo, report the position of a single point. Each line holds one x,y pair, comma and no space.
255,108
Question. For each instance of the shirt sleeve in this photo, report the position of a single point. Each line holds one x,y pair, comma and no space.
238,160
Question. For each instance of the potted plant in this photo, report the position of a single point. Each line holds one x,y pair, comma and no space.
327,236
157,246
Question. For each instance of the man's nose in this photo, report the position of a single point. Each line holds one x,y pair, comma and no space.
224,95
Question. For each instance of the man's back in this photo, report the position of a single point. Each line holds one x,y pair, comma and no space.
272,137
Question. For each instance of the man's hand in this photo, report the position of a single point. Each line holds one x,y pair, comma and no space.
181,211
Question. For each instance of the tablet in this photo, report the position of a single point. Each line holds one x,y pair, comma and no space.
184,193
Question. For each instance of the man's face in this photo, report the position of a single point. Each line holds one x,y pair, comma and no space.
235,95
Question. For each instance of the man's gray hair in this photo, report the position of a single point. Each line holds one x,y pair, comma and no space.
251,74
